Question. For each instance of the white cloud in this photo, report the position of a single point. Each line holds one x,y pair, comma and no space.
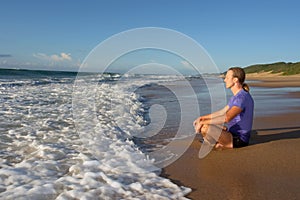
54,58
41,56
186,64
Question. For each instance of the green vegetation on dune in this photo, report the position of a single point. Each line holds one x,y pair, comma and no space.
280,67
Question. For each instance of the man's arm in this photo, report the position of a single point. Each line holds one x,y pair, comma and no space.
213,115
224,115
217,117
232,112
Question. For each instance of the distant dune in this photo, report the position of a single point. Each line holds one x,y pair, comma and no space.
275,68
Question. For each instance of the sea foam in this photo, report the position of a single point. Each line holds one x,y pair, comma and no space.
43,156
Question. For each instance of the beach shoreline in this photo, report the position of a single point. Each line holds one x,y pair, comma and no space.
268,79
267,169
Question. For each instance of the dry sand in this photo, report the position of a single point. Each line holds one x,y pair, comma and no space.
269,168
267,79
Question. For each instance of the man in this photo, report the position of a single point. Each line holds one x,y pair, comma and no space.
237,114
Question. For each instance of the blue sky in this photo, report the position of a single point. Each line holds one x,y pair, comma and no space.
59,34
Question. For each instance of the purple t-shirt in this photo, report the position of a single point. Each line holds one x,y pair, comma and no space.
241,125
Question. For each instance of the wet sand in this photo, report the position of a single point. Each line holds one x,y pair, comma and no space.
267,169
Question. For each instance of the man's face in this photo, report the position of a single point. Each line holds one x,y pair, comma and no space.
229,79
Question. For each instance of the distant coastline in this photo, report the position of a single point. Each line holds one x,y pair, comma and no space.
273,80
278,74
274,68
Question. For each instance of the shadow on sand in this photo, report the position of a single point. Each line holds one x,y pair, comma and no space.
285,133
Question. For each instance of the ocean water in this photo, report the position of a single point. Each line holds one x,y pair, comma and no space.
61,139
43,154
274,101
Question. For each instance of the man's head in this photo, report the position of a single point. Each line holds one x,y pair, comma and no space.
234,75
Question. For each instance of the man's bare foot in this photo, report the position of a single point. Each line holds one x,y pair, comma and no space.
219,146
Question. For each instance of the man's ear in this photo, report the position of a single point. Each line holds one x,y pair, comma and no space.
235,79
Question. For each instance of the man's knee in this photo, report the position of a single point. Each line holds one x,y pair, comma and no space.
204,130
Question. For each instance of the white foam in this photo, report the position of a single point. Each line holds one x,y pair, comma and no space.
43,157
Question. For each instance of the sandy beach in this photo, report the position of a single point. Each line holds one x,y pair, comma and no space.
267,169
267,79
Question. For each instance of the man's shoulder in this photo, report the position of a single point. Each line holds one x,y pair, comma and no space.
245,96
243,93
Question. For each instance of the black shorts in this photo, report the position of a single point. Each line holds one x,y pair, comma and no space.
238,143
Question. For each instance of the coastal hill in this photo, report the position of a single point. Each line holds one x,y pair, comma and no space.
279,67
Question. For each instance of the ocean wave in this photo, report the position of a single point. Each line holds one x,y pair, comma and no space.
42,156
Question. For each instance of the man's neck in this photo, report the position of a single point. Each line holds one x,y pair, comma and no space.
236,89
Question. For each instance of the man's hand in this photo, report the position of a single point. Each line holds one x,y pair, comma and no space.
201,126
197,126
198,123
